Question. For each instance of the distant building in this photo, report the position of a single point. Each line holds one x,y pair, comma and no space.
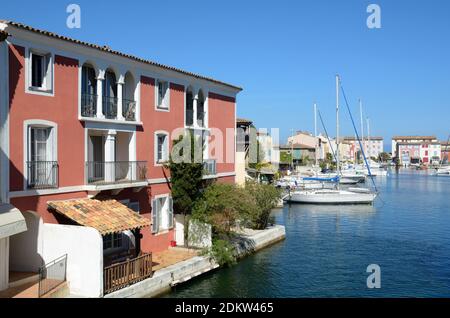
292,156
445,148
416,150
269,148
373,147
307,139
242,148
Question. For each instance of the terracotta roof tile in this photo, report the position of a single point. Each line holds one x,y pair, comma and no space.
105,216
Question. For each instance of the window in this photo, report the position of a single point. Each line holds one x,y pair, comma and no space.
39,144
162,148
162,96
40,71
112,241
162,214
41,167
134,206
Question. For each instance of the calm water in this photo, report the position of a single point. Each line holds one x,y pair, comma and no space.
328,249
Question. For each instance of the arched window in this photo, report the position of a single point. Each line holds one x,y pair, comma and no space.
88,91
128,102
189,108
110,95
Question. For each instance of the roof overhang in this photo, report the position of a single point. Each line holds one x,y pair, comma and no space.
11,221
107,217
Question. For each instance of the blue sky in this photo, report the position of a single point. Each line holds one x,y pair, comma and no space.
285,54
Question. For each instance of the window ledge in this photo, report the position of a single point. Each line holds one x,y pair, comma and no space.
162,109
162,232
39,91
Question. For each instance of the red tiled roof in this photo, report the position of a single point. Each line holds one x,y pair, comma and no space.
107,217
109,50
296,146
371,138
414,138
243,121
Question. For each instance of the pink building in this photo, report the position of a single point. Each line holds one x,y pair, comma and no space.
416,150
82,121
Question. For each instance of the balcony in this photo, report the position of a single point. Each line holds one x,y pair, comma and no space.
129,109
42,174
104,173
110,107
209,167
88,105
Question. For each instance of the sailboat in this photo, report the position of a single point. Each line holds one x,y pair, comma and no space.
334,196
444,170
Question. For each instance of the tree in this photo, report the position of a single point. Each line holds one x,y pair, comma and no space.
186,176
384,157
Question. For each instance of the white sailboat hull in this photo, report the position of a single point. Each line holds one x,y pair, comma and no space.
332,197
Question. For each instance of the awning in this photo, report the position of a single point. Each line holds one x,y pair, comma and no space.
11,221
107,217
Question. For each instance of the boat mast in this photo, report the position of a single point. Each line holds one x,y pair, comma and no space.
338,169
315,130
362,125
368,138
292,150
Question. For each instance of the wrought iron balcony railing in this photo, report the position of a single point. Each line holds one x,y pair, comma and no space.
201,119
129,109
88,105
99,172
110,107
42,174
189,117
210,167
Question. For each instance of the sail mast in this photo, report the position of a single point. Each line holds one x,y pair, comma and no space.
315,130
338,169
362,125
368,139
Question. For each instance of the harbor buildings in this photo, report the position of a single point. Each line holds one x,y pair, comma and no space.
407,150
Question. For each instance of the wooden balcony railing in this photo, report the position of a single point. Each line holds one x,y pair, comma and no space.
127,273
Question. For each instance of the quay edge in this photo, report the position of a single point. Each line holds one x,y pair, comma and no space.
163,279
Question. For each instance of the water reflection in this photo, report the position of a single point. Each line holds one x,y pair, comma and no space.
328,248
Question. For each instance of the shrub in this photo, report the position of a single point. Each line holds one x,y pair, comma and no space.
223,206
223,252
265,198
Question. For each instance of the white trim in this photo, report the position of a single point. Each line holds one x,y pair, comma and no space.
4,119
166,227
81,52
226,174
167,96
29,89
26,143
157,181
81,188
155,148
110,121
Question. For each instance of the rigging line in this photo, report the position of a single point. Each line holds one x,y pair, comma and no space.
326,133
357,136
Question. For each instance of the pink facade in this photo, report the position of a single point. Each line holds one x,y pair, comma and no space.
61,111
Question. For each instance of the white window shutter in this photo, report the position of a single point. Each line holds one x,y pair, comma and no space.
155,218
170,213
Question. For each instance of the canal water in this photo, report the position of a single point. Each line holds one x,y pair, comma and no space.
328,248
